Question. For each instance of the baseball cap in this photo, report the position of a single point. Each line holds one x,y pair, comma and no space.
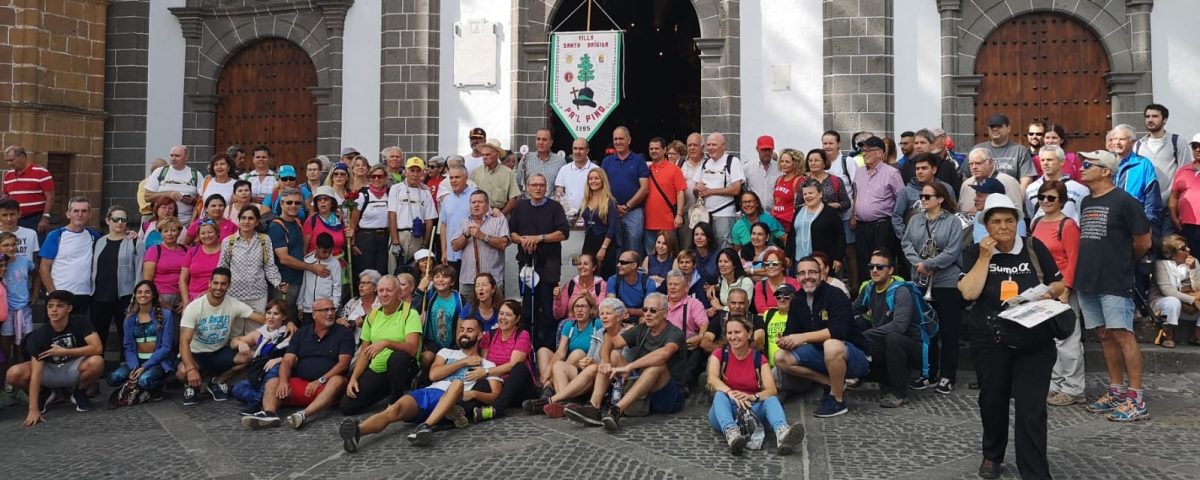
994,201
989,185
766,141
477,133
349,151
422,254
873,142
785,289
1102,158
414,162
1195,139
997,119
287,171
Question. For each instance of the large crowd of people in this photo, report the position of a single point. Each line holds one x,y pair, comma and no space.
368,284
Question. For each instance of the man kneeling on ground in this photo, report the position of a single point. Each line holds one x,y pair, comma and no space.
312,374
653,353
454,374
204,333
63,354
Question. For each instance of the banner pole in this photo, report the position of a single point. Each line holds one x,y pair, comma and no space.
589,15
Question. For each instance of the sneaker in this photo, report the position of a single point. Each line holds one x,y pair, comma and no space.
156,395
945,386
296,420
585,414
547,392
348,430
458,417
973,385
260,420
422,436
1105,404
483,414
46,396
81,401
612,419
891,400
789,437
190,396
921,383
830,407
219,391
1129,412
852,383
534,406
989,469
554,409
1060,399
249,409
737,442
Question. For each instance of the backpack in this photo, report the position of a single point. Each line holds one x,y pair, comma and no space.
195,181
728,169
759,359
927,320
595,289
617,290
227,249
1057,235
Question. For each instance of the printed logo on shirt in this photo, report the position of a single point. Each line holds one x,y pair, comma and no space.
64,340
213,329
1018,269
1093,223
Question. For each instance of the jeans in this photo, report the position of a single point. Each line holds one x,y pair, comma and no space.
151,378
721,415
631,231
895,352
722,229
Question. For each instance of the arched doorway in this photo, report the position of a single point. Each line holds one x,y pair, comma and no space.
1048,67
265,99
662,70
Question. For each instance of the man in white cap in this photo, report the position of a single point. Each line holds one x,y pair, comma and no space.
411,213
497,180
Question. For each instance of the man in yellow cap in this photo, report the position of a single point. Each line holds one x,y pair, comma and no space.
411,212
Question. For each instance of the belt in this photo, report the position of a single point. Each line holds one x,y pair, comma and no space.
869,222
378,231
404,229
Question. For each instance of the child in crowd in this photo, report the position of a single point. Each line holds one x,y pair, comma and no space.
315,286
18,288
444,307
265,347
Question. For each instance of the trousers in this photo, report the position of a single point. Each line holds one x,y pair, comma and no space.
1022,375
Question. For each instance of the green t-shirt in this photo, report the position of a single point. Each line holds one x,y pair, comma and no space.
395,327
775,327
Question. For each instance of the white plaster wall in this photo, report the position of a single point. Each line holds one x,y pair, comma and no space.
1176,63
787,33
164,89
360,79
917,66
462,109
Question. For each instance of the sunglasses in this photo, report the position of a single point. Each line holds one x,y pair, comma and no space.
772,264
1196,146
926,196
1087,165
287,179
377,177
783,296
878,266
625,262
652,310
1036,134
1048,198
291,202
119,219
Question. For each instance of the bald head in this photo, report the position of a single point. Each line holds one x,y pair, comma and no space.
715,146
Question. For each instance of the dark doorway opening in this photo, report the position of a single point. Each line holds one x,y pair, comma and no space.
662,71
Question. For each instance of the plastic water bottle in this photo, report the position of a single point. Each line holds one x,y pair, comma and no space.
618,388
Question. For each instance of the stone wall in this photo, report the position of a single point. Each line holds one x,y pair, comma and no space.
409,75
857,51
125,72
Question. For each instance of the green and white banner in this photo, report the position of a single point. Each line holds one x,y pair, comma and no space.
585,78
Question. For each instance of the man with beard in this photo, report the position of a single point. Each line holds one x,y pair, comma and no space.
821,342
454,374
1166,152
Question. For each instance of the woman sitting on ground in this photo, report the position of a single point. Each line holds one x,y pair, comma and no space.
149,338
511,350
575,336
570,380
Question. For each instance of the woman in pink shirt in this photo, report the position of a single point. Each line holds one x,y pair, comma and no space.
1060,234
585,282
327,218
164,262
214,212
774,266
510,349
202,258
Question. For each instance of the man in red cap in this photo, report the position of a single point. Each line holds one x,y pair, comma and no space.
474,159
761,175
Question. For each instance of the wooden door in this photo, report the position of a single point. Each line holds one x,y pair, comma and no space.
265,100
1045,66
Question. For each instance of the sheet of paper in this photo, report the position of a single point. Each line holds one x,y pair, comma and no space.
1033,313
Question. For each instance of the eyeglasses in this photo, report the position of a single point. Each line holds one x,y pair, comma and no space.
287,179
378,177
625,262
119,219
878,266
652,310
324,310
1048,198
772,264
1036,134
248,217
366,282
926,196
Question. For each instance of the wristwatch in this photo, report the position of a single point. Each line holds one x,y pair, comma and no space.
322,380
756,397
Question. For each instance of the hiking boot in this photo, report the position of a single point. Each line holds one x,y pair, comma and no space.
46,396
737,442
891,400
458,417
483,414
190,395
921,384
989,469
585,414
1106,403
612,419
945,386
260,420
219,391
789,437
830,407
1060,399
422,436
80,399
296,420
554,409
349,433
1129,412
534,406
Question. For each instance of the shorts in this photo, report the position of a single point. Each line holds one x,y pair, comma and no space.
857,365
1109,311
427,399
296,397
61,375
7,327
217,362
668,399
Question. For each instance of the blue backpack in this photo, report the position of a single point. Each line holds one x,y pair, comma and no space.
927,319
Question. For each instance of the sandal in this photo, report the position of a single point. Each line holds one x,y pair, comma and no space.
1168,343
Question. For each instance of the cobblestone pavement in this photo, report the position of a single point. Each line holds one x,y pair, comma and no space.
933,437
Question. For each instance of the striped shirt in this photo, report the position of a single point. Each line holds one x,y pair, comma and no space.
29,188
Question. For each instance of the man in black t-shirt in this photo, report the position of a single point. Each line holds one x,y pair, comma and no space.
312,374
653,353
1114,233
64,356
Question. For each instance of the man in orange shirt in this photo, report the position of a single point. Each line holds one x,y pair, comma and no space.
665,202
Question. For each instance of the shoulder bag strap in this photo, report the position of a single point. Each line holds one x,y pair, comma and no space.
662,193
1033,258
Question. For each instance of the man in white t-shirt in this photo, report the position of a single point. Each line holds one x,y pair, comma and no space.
454,374
67,252
176,181
475,158
718,183
407,201
571,182
204,333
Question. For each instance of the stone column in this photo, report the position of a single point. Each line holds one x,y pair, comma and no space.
720,74
197,135
530,72
1129,108
409,76
957,110
857,51
125,82
329,104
